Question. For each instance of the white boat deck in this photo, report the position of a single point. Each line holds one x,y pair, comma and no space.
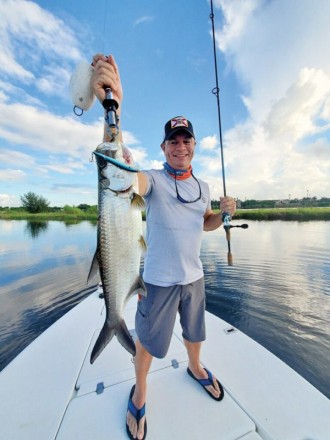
51,391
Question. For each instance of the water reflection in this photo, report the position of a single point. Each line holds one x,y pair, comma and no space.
33,320
43,274
277,292
73,222
34,228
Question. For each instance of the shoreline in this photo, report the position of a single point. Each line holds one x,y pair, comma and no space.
285,214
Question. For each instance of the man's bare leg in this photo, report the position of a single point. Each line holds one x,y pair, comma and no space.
194,350
142,363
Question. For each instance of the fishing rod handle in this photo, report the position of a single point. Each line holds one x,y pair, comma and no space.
226,225
111,106
226,219
109,103
227,230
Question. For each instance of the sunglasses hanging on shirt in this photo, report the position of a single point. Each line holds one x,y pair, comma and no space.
179,173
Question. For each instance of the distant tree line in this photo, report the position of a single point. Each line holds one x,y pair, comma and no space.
287,203
34,203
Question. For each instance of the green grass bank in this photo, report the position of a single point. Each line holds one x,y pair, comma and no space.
286,214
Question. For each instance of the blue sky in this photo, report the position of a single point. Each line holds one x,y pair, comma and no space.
274,72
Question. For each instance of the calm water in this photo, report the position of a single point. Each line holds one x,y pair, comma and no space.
277,292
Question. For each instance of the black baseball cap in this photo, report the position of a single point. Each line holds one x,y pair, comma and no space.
179,123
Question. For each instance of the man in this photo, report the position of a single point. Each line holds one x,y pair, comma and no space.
178,209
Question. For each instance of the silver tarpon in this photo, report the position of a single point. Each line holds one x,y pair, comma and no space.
119,244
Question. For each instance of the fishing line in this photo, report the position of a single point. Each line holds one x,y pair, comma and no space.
105,13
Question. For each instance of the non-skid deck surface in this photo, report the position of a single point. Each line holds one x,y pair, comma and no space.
176,404
49,391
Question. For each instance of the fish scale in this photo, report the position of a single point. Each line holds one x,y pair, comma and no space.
118,253
119,233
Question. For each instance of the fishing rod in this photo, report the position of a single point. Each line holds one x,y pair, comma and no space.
111,105
216,91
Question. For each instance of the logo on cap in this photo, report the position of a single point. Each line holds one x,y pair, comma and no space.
179,122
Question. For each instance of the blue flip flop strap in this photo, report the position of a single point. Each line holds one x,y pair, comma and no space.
137,413
117,163
208,381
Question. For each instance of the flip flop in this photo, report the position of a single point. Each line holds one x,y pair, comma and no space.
137,413
206,382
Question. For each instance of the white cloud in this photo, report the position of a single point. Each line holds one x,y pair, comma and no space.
209,143
54,81
143,19
8,200
140,156
11,157
66,168
35,46
236,16
278,39
45,131
11,174
297,114
129,138
320,149
78,188
8,91
276,50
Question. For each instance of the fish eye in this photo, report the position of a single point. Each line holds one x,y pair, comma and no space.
101,163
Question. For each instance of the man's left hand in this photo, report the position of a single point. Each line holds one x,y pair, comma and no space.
228,204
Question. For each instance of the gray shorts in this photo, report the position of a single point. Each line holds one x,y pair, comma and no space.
156,314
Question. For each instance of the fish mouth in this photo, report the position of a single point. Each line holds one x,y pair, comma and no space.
122,193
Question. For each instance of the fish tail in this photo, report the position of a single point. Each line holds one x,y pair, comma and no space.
107,333
125,338
104,338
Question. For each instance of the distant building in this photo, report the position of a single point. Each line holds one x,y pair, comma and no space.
282,203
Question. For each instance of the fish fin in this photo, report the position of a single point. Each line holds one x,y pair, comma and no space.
137,201
138,287
142,243
107,333
125,338
142,287
94,268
